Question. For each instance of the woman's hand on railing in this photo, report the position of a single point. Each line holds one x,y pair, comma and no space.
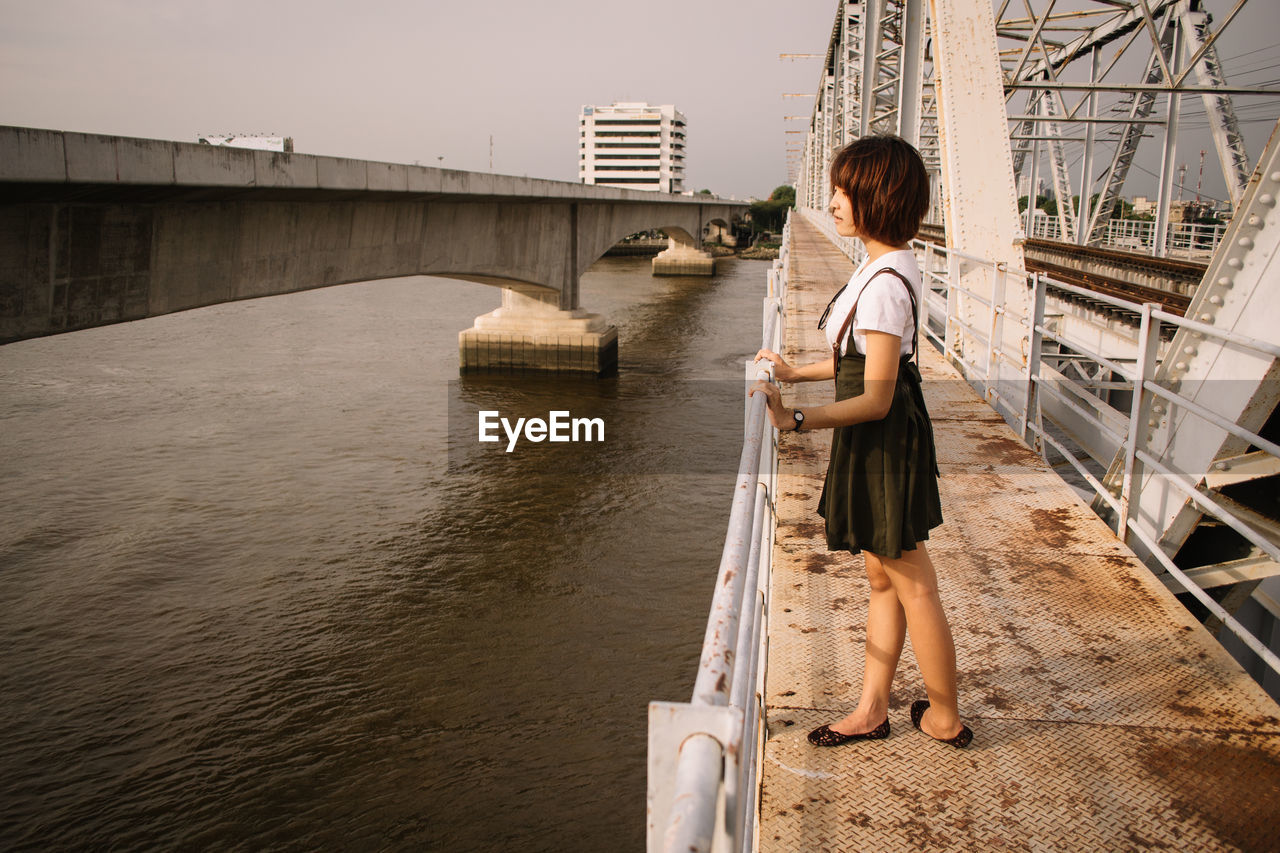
779,415
782,371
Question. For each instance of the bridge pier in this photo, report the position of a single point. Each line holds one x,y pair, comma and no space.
532,333
683,259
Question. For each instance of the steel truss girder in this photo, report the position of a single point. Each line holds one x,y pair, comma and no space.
1166,23
1127,147
1238,293
873,82
1222,117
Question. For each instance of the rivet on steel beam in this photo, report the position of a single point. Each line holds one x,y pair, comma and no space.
1255,221
1188,350
1234,263
1206,318
1215,300
1152,422
1245,243
1224,282
1150,436
1180,366
1221,466
1275,176
1267,199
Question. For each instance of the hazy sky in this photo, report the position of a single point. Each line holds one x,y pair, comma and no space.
415,81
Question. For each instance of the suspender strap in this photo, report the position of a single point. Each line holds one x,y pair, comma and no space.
848,321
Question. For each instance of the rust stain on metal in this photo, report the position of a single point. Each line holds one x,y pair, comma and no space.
1189,710
999,702
808,530
1053,525
1006,451
1234,789
817,562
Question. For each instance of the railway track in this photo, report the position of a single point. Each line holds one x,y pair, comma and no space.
1183,274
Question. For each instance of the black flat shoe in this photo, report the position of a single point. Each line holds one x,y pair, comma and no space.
827,736
960,741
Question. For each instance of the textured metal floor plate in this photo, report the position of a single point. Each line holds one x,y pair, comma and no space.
1021,786
1104,716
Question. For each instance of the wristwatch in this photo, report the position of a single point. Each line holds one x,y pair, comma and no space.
799,416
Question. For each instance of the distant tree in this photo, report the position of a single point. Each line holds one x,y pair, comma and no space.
771,215
786,193
704,192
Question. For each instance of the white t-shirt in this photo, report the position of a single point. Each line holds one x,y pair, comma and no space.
883,303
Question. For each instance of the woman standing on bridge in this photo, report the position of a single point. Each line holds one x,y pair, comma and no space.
881,491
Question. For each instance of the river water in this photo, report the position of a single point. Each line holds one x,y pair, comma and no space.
255,591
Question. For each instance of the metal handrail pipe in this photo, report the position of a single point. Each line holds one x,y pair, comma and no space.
1100,359
1221,334
751,790
1116,302
1214,418
971,330
1080,469
986,262
715,668
700,766
1229,621
746,632
986,303
692,819
1210,506
1009,359
745,663
1093,419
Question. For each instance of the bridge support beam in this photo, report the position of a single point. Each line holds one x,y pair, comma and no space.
532,333
683,259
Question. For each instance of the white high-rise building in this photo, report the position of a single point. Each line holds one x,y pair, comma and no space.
632,146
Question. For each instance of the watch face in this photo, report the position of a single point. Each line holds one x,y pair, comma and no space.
799,416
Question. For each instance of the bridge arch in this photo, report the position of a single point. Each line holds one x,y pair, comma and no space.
131,228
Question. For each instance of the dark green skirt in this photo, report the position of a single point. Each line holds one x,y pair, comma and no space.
881,491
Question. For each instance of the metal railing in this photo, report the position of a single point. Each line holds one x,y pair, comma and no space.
1191,239
1186,239
1009,370
705,754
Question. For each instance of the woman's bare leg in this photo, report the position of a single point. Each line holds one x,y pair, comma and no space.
886,632
916,587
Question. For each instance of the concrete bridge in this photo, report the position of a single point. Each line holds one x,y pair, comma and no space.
103,229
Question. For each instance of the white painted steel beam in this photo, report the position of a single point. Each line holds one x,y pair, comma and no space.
1222,118
1238,295
1254,568
980,200
911,84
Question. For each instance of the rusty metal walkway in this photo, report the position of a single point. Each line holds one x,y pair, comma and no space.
1105,717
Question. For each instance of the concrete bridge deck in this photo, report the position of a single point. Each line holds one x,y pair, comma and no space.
1105,717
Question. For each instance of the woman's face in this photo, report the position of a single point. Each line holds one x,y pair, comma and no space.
842,209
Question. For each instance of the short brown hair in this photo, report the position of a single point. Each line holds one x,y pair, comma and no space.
887,185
